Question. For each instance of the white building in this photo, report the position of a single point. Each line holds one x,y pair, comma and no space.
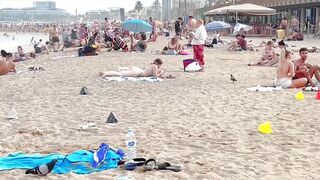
166,9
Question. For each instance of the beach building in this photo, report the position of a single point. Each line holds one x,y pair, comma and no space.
45,11
185,8
166,9
302,9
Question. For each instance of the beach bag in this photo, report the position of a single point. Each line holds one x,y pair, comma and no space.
190,65
80,52
193,67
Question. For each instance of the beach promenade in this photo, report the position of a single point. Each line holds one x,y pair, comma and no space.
201,121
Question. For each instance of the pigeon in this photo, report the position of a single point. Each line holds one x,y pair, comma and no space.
84,91
43,169
233,79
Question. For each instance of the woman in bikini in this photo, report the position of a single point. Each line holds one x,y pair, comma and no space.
151,71
20,55
141,44
285,72
268,56
173,48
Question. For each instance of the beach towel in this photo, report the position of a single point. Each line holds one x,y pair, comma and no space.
78,162
134,79
264,88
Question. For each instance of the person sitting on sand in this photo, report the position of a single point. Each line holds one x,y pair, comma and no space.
268,56
151,71
141,44
240,43
20,55
118,43
296,36
285,72
173,48
6,66
304,69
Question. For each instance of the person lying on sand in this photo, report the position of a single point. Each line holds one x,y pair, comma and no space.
268,56
285,72
173,48
6,66
304,69
151,71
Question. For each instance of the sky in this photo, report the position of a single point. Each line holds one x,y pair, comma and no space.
81,5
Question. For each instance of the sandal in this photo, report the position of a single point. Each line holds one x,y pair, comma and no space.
134,163
168,166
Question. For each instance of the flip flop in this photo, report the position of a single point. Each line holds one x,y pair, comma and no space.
170,77
150,165
134,163
168,166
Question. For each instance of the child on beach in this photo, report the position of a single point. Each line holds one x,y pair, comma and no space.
285,72
151,71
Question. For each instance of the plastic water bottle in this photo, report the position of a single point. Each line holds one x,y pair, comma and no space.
131,144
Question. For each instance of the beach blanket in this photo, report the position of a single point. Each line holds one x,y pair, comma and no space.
264,88
134,79
78,162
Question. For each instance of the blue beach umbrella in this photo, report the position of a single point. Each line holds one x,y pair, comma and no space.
136,25
217,25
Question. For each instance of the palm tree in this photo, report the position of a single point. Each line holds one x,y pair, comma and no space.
139,6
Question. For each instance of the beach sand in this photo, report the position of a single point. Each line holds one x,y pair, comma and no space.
200,121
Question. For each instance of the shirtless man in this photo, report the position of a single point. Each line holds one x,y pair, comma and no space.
303,69
54,34
191,25
294,24
285,72
6,66
151,71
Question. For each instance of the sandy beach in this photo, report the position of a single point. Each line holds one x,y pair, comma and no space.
200,121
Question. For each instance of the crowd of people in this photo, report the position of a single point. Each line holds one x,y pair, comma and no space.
91,39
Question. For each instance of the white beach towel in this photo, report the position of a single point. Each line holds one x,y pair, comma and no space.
134,79
63,57
264,89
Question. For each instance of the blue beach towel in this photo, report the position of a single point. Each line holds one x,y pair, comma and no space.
78,162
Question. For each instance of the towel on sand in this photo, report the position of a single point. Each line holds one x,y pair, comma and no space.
78,162
264,88
134,79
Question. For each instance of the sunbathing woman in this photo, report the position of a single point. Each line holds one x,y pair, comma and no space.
268,56
151,71
141,44
20,55
285,72
6,66
173,48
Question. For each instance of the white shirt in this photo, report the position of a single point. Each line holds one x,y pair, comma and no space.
199,36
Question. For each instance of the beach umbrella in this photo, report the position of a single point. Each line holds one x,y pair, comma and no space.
136,25
238,27
217,25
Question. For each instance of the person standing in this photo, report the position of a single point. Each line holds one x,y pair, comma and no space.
198,42
178,27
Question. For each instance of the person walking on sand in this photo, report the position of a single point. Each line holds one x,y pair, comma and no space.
198,42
